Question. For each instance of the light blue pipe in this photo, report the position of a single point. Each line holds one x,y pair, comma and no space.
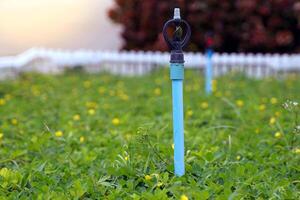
177,76
208,71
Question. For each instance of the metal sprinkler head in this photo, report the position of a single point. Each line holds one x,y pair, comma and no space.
178,39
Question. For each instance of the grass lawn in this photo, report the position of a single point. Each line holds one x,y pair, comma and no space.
82,136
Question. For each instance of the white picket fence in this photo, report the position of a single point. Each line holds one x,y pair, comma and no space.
139,62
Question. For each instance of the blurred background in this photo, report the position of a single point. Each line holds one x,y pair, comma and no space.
257,37
66,24
236,26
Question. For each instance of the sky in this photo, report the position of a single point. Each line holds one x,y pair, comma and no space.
64,24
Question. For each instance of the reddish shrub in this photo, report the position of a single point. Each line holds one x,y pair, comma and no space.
236,26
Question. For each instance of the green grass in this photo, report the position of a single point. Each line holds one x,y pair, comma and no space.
240,142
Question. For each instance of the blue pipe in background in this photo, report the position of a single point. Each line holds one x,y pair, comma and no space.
208,71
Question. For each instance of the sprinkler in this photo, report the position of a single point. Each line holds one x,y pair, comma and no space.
176,42
209,66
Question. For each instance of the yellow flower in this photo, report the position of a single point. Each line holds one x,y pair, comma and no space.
218,94
81,139
272,120
238,157
91,111
184,197
148,177
166,77
262,107
196,87
159,184
214,85
101,90
2,102
204,105
1,135
76,117
296,150
157,91
35,91
126,158
239,103
277,114
87,84
278,135
116,121
273,100
59,133
128,136
124,97
189,113
4,172
173,146
14,121
91,104
257,131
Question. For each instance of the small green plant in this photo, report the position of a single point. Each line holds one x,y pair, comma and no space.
294,109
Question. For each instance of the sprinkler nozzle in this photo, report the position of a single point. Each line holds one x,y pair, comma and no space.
177,13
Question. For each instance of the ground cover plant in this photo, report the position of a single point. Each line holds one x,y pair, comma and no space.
83,136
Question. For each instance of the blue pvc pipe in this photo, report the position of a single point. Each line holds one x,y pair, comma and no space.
178,127
177,73
208,71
